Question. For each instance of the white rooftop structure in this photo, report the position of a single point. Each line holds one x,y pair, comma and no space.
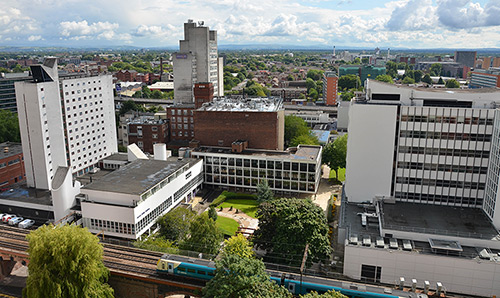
245,105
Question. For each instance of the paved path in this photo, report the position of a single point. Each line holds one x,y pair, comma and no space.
244,220
325,189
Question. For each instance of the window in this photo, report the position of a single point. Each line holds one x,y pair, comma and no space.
155,136
370,273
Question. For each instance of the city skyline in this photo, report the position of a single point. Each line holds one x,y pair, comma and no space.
355,23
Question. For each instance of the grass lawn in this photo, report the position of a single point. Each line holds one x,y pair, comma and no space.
227,225
341,174
247,206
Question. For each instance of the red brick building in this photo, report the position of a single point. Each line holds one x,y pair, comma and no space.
261,122
203,92
147,133
11,164
181,122
330,85
126,75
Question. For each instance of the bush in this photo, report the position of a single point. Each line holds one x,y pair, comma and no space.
225,195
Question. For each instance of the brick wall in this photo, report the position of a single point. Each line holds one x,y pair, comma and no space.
221,128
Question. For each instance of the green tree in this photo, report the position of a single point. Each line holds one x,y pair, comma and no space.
391,69
313,94
9,127
157,94
295,126
175,224
350,81
204,236
65,261
427,79
287,225
130,105
308,139
264,192
436,69
347,95
310,84
315,74
137,94
384,78
146,92
241,277
329,294
452,83
335,153
212,213
441,81
408,80
417,75
238,245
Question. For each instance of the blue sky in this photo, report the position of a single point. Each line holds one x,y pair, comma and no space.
158,23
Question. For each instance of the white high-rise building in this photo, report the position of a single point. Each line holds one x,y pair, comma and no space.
426,145
196,62
64,122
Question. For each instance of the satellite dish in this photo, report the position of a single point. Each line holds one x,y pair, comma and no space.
201,23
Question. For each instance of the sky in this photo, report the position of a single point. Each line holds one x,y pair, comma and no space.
343,23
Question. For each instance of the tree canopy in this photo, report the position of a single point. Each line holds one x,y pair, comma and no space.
65,261
287,225
329,294
408,80
175,224
297,132
436,69
204,236
315,74
335,153
452,83
350,81
9,127
427,79
264,192
239,274
385,78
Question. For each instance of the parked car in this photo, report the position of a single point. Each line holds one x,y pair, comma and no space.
6,217
14,221
27,223
1,216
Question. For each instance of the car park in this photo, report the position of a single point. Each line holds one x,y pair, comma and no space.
14,221
27,223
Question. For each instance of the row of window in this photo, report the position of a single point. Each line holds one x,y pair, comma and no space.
153,215
182,134
442,199
440,183
109,226
164,182
261,164
444,152
83,83
253,182
442,167
10,162
271,174
186,120
181,112
445,135
445,119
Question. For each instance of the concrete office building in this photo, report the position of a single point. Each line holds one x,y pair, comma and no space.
362,71
330,85
296,170
74,131
423,164
196,61
259,121
467,58
8,90
482,78
127,202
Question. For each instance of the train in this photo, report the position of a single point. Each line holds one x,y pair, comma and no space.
205,270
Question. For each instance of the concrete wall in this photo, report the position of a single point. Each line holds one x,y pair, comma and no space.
370,151
459,275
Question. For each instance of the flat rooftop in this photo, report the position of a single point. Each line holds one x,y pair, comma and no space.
119,156
302,152
369,235
244,105
438,220
138,176
22,193
8,149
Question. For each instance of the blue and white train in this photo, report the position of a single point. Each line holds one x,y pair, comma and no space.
205,270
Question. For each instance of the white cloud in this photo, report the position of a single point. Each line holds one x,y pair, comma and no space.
34,37
466,14
413,15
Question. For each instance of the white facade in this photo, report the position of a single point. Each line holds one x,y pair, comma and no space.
422,146
196,62
41,126
89,116
472,276
79,128
130,214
